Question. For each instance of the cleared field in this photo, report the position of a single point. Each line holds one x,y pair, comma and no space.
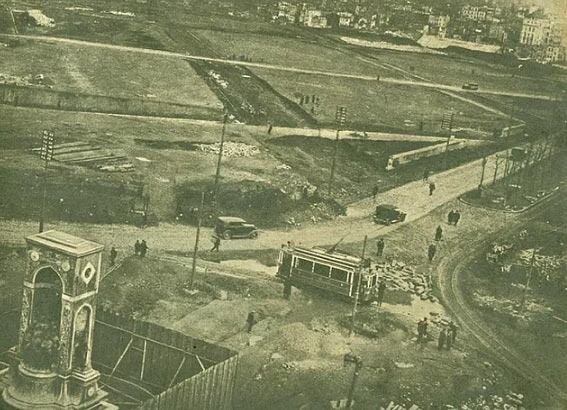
109,72
302,52
457,70
378,105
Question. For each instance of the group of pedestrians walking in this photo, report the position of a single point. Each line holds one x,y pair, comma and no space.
447,336
141,248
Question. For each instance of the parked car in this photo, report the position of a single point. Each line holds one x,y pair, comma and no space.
229,227
470,86
388,214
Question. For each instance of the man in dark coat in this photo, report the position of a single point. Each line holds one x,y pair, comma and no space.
216,244
451,217
380,247
250,321
113,255
143,248
431,188
381,292
431,252
457,217
438,233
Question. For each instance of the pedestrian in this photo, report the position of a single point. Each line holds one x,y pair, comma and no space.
451,217
270,128
431,252
457,217
438,233
374,193
380,247
425,175
381,292
113,255
431,188
453,330
137,246
216,244
424,325
250,321
143,248
287,288
420,331
442,339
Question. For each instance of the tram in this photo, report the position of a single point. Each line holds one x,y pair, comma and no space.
332,271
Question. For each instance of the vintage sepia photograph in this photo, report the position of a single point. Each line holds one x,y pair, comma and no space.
283,204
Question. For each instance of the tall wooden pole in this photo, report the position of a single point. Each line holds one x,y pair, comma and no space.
528,280
196,248
217,174
357,289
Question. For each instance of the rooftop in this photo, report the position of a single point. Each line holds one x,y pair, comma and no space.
65,243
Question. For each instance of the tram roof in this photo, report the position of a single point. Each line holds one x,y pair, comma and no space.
333,257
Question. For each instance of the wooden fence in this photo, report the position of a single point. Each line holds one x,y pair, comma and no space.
178,371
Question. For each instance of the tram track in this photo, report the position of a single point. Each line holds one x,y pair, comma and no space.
450,271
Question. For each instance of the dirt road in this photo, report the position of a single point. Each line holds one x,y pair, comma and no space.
413,197
276,67
449,272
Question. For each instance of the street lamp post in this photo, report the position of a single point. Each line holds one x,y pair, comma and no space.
221,147
357,289
196,248
357,360
447,123
48,142
340,118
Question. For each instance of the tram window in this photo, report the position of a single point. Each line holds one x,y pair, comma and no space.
322,270
304,265
339,274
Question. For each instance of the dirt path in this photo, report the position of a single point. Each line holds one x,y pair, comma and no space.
413,197
449,271
276,67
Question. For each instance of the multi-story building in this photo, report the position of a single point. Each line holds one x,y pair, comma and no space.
541,34
438,25
315,18
480,13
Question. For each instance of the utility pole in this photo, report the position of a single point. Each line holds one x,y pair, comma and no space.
528,280
357,360
447,123
484,161
196,248
217,175
496,166
357,289
340,118
48,142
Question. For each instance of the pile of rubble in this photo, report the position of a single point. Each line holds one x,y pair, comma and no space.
218,79
512,401
394,406
41,19
27,80
230,149
400,276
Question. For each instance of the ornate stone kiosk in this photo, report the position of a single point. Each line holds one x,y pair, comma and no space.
56,326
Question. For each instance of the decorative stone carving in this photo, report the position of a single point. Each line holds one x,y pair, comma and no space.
65,333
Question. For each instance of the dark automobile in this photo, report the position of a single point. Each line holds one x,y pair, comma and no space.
470,86
228,227
388,214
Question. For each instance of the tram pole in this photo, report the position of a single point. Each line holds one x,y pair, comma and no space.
196,248
357,289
